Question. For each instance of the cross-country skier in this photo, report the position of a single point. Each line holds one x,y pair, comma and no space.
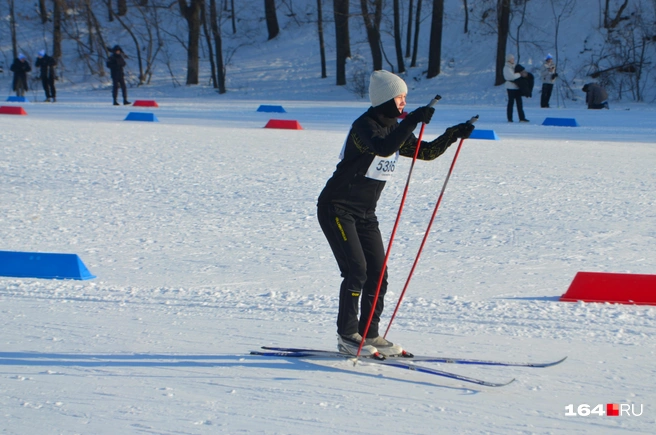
347,204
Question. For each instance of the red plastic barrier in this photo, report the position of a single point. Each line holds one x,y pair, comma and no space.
281,123
12,110
145,103
618,288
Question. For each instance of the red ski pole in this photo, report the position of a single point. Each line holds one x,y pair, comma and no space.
430,224
396,225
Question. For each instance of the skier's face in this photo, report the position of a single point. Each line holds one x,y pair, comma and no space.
400,102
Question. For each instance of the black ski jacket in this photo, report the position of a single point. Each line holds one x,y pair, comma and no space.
47,65
115,63
374,136
20,69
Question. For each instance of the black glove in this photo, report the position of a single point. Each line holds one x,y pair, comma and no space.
462,130
554,75
422,114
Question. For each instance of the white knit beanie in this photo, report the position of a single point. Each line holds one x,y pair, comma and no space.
384,86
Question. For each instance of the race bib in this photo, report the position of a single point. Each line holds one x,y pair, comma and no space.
382,168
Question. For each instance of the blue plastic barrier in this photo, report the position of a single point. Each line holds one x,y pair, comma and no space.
43,265
141,116
15,99
484,134
561,122
265,108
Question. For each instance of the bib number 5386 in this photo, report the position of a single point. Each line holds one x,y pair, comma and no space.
386,165
382,168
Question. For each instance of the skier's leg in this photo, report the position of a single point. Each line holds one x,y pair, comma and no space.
340,231
374,251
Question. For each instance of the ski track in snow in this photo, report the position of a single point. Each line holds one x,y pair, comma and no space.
202,232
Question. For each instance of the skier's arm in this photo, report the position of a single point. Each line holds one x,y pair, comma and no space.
435,148
371,137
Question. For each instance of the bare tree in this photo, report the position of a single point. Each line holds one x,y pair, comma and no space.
56,29
612,22
503,17
218,46
518,31
122,8
435,50
372,25
12,25
413,63
322,48
271,18
43,11
232,15
565,10
397,37
408,38
151,36
208,41
191,13
342,44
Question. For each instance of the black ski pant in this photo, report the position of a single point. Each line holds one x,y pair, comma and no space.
515,95
49,86
547,88
358,248
116,83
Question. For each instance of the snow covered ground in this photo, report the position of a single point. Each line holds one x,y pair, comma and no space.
201,230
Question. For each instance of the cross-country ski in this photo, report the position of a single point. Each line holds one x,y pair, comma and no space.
419,358
391,362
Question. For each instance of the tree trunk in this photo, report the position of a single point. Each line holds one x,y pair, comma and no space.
122,8
56,29
218,47
466,16
416,42
503,11
408,39
322,49
342,44
372,24
43,11
191,13
397,37
234,25
12,25
435,50
110,12
208,41
271,18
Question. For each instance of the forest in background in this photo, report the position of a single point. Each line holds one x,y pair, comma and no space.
198,42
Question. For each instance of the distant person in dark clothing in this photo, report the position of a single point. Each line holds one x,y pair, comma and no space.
548,76
595,96
47,65
20,68
514,93
116,63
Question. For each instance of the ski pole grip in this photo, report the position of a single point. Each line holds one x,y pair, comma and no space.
434,100
473,119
